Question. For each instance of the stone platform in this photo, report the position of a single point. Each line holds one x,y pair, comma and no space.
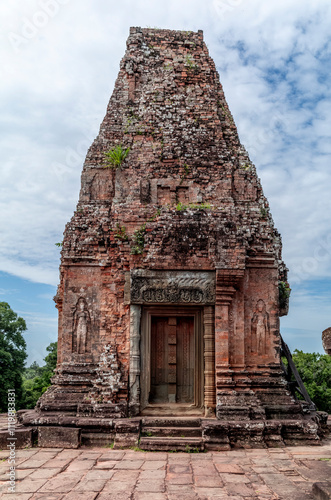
103,474
154,433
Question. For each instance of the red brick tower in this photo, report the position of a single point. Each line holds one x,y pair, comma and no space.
169,294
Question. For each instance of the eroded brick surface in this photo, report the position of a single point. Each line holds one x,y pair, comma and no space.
181,222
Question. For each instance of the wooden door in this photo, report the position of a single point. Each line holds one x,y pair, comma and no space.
185,361
172,360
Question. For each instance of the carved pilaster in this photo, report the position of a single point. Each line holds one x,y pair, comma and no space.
209,358
135,313
224,296
226,282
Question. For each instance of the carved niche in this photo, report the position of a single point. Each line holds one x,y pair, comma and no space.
260,328
172,287
81,327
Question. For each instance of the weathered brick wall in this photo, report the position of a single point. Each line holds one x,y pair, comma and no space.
189,188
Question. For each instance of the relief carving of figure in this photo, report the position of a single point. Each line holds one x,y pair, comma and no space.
260,328
81,326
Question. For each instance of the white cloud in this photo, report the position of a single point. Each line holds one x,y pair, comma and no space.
274,61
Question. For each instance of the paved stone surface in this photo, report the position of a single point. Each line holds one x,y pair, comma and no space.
96,474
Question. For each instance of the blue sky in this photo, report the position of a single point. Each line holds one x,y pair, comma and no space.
33,302
60,59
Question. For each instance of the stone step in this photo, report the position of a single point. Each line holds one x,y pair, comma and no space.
59,406
171,431
100,439
322,490
170,422
188,444
23,437
172,410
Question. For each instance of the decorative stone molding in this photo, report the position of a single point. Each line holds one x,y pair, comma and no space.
171,287
209,358
134,403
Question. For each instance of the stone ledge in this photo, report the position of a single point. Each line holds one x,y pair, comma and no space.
22,438
59,437
322,491
216,434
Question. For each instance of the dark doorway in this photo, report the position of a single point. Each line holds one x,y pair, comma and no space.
172,359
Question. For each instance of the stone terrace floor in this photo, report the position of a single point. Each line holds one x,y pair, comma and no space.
102,473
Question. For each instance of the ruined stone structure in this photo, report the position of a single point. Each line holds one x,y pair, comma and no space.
169,296
326,340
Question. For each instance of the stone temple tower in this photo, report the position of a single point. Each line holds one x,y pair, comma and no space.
169,295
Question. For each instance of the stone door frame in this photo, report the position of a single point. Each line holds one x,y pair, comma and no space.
145,349
175,291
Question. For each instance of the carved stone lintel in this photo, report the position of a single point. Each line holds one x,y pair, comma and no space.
172,287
